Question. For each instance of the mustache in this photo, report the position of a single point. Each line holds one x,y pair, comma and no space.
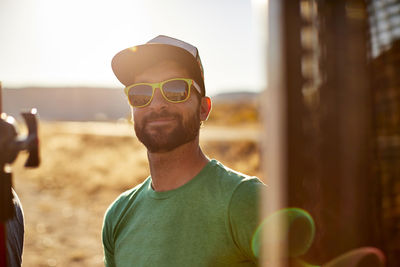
160,115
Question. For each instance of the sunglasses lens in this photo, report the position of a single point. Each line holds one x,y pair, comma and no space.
140,95
176,90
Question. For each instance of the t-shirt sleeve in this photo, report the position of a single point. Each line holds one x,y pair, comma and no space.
244,214
110,223
108,240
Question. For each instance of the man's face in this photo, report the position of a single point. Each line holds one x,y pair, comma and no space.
163,126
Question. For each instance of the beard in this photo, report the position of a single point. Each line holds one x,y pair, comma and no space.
162,140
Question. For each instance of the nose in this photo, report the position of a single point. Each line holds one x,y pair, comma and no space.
158,100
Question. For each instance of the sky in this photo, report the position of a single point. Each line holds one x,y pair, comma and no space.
72,42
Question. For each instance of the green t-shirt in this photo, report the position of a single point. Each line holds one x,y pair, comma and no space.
209,221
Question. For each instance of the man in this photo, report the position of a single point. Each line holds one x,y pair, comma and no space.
15,234
190,211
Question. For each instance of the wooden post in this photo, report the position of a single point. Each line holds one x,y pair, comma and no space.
274,136
1,100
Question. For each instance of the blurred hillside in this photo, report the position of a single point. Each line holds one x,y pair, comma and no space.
67,104
105,104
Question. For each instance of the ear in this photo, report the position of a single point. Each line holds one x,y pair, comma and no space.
133,112
205,108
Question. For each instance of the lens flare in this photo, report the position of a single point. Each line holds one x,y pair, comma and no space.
361,257
300,263
133,49
297,231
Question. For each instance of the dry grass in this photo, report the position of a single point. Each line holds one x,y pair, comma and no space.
234,113
80,175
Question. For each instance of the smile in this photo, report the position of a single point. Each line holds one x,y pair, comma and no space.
160,121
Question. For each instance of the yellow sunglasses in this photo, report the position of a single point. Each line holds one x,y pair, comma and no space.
175,90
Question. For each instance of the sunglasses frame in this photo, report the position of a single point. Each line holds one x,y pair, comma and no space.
159,85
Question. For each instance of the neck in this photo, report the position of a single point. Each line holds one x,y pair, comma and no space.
172,169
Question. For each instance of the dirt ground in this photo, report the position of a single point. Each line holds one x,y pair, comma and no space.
85,166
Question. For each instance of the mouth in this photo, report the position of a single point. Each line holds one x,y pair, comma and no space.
160,121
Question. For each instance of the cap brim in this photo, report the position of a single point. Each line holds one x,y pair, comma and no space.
130,62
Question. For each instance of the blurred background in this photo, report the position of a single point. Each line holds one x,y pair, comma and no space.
306,96
333,122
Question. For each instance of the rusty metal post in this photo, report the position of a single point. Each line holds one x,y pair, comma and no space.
335,182
321,133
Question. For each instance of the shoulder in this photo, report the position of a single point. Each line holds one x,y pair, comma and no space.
243,195
233,186
247,194
118,206
235,180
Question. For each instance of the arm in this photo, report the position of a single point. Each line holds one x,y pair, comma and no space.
244,214
108,242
